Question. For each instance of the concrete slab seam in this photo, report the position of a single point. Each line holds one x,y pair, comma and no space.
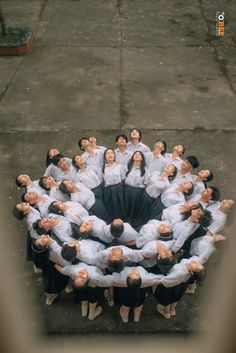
3,94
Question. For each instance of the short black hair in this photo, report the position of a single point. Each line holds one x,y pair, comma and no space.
210,177
165,265
56,159
193,161
215,196
165,146
17,213
205,219
17,181
134,283
115,265
63,188
73,160
139,131
123,136
23,196
68,252
190,191
116,230
172,177
80,142
39,229
41,183
53,208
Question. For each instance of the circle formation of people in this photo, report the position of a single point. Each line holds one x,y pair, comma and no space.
123,224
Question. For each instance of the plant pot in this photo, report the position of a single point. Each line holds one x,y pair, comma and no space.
22,48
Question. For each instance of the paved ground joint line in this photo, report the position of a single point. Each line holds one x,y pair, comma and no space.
3,94
42,9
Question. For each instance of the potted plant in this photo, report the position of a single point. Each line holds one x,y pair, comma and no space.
15,40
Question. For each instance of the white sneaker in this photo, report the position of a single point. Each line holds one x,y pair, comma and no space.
84,309
68,289
162,312
172,312
37,270
108,298
50,298
97,312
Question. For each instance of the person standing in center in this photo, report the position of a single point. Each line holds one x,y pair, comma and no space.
113,175
136,179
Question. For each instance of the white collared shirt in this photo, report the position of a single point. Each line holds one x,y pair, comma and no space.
181,232
75,213
202,247
177,161
129,233
113,174
56,194
55,254
139,147
155,163
172,214
96,160
88,177
148,232
171,197
122,157
218,222
156,185
89,251
85,197
32,217
135,179
44,204
36,187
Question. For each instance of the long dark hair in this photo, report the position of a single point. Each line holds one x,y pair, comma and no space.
104,158
73,161
142,165
48,158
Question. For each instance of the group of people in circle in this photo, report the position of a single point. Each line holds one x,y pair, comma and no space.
122,223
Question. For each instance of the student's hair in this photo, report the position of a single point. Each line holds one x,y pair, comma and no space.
187,214
210,177
41,183
17,213
116,230
39,229
183,149
80,142
199,276
56,159
131,162
190,191
165,265
166,236
18,183
134,283
123,136
104,157
84,235
73,161
23,198
48,158
115,265
172,177
215,196
63,188
53,208
68,252
165,146
193,161
205,219
140,134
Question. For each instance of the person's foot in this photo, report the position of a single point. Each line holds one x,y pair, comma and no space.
191,289
36,269
172,312
50,298
108,297
162,312
136,317
68,289
97,312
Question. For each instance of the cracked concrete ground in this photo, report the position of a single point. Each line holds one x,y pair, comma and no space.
102,67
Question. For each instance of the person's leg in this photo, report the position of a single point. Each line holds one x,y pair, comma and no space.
164,310
172,309
109,295
84,308
191,288
50,297
124,313
94,311
137,312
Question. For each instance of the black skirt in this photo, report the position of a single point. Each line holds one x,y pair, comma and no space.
156,209
170,295
53,281
90,294
114,201
145,207
124,296
98,192
133,200
98,209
